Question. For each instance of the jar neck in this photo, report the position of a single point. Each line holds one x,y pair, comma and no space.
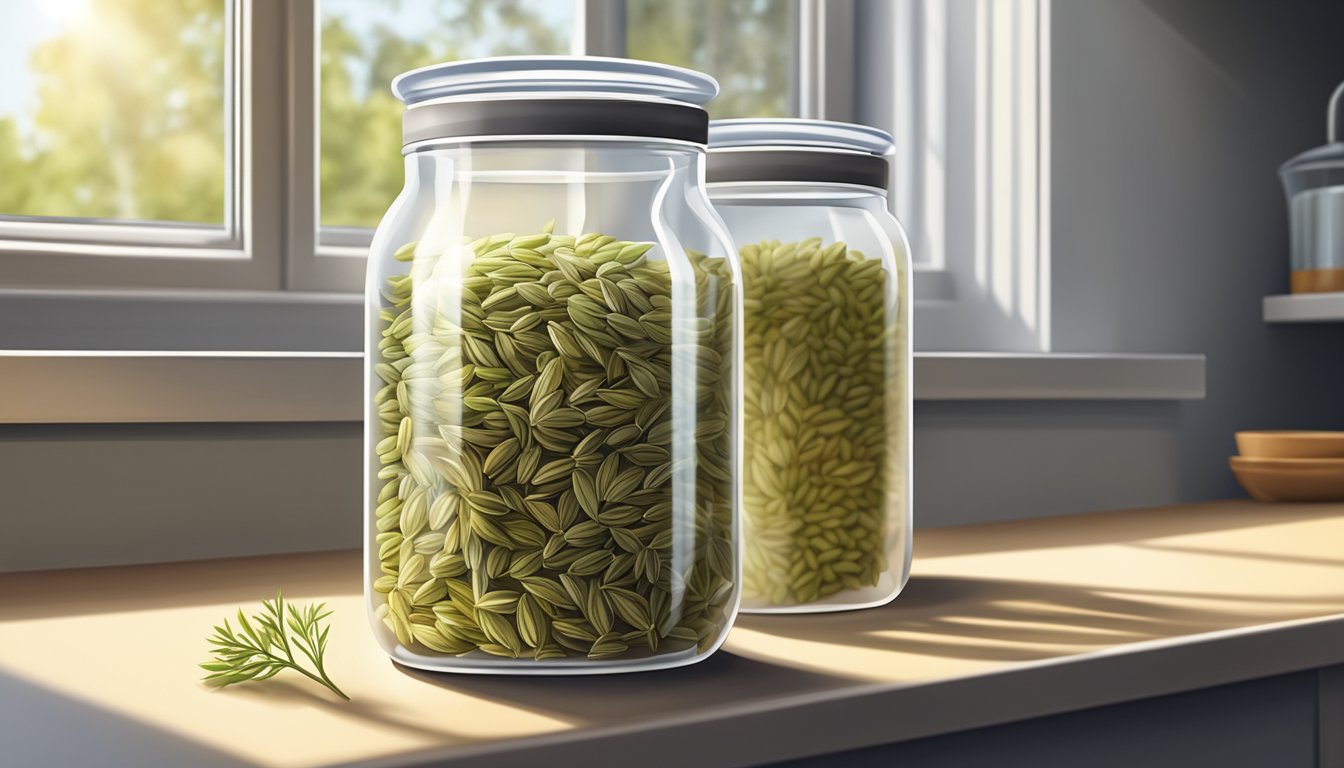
551,161
510,185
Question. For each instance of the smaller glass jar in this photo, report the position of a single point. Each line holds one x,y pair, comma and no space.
826,375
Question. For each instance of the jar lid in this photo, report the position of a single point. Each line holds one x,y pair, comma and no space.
554,96
1324,155
785,149
1322,166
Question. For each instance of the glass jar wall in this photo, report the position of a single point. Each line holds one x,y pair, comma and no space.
826,473
554,316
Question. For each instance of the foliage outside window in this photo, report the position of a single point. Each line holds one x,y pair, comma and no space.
365,44
114,109
119,109
746,44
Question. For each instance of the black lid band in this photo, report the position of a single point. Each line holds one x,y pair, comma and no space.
555,117
736,165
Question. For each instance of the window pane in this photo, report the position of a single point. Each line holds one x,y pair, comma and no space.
114,109
365,44
748,45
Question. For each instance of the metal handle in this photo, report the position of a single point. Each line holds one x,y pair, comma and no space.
1332,119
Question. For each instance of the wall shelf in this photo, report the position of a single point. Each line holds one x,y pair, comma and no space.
1305,308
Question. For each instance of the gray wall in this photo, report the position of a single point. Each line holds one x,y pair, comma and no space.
1169,120
77,495
977,462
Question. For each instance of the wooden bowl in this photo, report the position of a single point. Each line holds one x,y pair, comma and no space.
1291,445
1290,479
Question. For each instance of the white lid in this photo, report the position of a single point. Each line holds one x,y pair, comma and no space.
554,74
797,132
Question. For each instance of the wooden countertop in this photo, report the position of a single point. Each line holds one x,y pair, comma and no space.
999,622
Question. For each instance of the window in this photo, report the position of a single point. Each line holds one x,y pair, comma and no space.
115,110
747,44
364,45
963,87
251,145
122,147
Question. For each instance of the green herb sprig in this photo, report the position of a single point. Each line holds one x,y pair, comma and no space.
265,645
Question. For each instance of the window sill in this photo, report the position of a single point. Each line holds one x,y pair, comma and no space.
209,320
1046,376
55,387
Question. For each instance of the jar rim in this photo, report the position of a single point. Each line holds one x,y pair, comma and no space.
595,76
511,142
799,133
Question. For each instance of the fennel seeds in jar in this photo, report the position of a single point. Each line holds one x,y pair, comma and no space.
534,518
816,431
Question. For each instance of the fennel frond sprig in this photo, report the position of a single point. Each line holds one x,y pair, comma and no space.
264,646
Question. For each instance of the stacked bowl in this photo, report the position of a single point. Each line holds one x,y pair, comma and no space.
1290,466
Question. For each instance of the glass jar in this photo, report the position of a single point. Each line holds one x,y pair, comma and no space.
826,435
553,324
1314,183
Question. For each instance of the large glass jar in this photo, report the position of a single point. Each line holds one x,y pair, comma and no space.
826,436
553,324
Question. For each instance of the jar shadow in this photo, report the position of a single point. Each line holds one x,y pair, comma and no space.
1006,620
303,695
606,699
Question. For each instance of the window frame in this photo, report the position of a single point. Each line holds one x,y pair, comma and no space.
244,255
992,293
331,258
955,308
312,264
274,242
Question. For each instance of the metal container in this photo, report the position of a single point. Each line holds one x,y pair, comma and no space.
1314,182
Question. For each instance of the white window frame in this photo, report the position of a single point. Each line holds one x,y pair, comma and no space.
332,258
985,284
315,263
845,61
987,287
244,255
